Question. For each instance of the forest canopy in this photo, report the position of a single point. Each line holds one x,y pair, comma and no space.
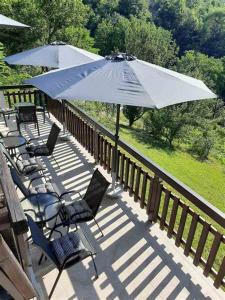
185,35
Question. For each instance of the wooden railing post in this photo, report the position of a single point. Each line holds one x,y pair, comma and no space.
96,145
154,199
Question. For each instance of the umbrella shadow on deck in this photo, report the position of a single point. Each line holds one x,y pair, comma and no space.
132,263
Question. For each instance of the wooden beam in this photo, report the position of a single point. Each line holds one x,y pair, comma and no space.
10,265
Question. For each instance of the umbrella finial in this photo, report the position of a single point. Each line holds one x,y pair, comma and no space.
119,56
58,43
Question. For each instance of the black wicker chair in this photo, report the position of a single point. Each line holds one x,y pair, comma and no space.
45,187
40,103
4,110
65,251
48,148
27,115
84,210
24,167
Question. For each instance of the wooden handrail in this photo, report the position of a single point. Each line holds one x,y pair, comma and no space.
16,213
10,265
16,86
209,209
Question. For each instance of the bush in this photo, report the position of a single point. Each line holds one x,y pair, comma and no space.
202,146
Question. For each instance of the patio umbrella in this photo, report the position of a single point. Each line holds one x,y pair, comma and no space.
55,55
122,79
7,22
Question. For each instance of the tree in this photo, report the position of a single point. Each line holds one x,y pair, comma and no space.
110,35
133,113
135,8
213,33
167,123
47,20
9,76
140,38
80,37
150,43
202,144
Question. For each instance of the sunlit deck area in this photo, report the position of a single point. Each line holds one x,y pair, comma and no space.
135,259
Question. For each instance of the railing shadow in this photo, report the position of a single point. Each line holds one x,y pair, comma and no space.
135,259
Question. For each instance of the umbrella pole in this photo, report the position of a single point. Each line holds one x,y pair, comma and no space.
65,136
115,152
64,117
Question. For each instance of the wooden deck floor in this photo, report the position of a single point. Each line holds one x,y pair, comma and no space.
135,259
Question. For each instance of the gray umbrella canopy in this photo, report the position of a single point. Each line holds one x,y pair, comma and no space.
55,55
7,22
122,81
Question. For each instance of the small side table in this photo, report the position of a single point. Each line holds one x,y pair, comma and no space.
12,142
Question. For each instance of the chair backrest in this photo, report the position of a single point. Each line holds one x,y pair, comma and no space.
2,100
39,98
27,114
95,191
52,138
18,182
9,158
40,240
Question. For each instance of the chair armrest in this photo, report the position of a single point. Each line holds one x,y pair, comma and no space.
11,131
38,177
70,192
32,139
21,154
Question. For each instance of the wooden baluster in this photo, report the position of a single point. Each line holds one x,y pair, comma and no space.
122,168
213,252
173,217
143,190
157,199
220,274
131,189
101,150
7,94
118,161
137,184
14,98
182,223
19,96
165,208
109,156
191,233
105,154
30,96
127,169
92,141
201,243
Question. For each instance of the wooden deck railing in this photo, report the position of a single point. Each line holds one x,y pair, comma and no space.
195,224
15,262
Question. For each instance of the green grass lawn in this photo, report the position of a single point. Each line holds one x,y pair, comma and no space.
205,178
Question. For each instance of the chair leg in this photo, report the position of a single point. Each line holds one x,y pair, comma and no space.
55,161
98,227
5,119
38,129
55,283
96,271
40,259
